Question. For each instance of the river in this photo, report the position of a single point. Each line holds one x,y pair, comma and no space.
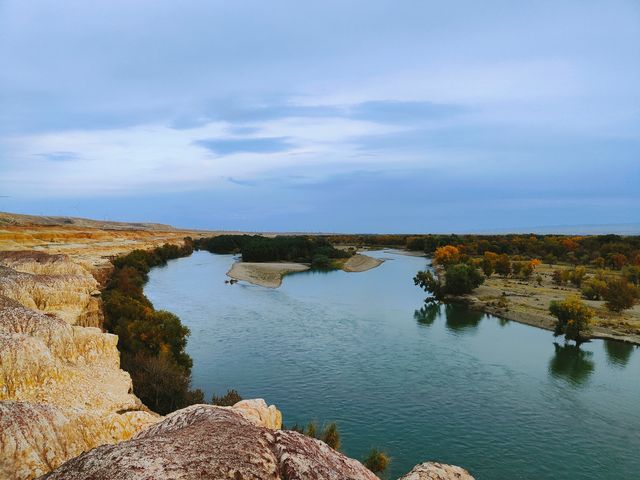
496,397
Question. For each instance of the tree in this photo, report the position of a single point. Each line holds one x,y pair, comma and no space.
431,284
503,265
577,276
487,266
377,461
617,260
574,319
461,279
620,294
594,288
446,255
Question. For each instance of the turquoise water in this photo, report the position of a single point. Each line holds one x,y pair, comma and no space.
497,397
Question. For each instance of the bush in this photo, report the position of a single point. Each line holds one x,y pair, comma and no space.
594,288
632,274
574,319
227,400
377,461
160,383
331,436
620,294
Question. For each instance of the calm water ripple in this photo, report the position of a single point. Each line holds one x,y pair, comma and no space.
496,397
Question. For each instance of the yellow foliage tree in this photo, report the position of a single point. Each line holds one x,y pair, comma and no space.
446,255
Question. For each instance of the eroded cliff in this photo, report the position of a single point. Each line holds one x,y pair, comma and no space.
61,388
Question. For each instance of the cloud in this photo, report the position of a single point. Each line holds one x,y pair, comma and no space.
59,156
209,95
229,146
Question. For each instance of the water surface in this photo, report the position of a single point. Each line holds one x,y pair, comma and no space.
444,383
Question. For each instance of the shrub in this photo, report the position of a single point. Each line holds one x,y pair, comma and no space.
594,288
574,319
577,276
331,436
377,461
620,294
632,274
229,399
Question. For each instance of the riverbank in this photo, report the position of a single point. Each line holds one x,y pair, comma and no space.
527,302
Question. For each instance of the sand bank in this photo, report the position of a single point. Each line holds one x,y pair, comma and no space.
361,263
264,274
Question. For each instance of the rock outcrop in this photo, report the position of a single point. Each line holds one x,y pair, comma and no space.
208,442
437,471
61,388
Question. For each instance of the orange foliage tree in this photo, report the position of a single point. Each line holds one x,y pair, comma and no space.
446,255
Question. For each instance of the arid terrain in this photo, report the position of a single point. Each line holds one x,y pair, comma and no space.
527,302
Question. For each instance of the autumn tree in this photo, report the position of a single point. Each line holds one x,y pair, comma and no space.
620,294
573,319
446,255
503,265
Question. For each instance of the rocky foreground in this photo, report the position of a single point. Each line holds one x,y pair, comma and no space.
67,409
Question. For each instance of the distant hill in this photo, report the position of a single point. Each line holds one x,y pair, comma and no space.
26,220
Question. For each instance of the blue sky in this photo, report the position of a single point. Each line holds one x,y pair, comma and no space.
353,116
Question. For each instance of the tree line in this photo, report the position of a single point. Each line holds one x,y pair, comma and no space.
152,342
317,251
612,251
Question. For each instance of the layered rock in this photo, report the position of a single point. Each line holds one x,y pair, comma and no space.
52,284
208,442
61,388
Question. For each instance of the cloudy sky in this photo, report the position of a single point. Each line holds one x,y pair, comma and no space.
346,115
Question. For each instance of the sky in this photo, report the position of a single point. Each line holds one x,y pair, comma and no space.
333,116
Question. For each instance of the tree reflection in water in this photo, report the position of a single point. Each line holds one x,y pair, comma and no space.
427,314
571,363
460,318
618,353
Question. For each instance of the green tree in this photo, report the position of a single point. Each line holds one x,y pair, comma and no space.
620,294
573,319
487,267
431,284
461,279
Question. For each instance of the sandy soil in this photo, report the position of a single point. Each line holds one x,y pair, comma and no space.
264,274
361,263
527,302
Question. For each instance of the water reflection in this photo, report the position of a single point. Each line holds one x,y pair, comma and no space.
461,318
618,353
571,363
427,314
